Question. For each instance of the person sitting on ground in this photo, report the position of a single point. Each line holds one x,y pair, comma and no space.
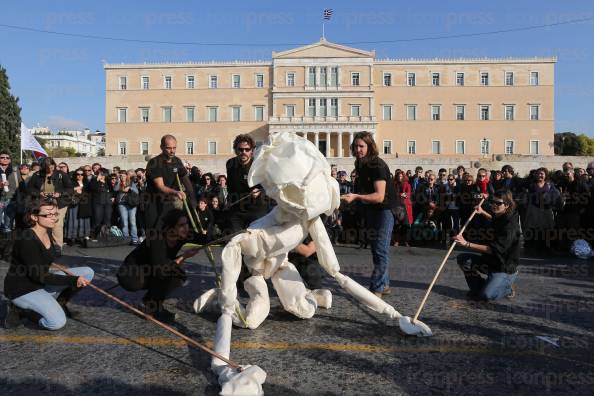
156,267
206,220
304,258
32,282
500,255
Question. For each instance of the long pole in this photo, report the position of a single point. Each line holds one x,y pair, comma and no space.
442,265
157,322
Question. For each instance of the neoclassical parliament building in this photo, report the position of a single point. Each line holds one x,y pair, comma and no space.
327,92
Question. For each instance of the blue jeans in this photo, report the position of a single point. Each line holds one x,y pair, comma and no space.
7,213
43,301
379,225
497,284
128,217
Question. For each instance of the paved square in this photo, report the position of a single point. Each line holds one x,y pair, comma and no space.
540,342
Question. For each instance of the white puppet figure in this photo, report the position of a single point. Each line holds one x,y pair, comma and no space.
297,176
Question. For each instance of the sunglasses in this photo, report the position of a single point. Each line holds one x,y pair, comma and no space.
451,179
244,150
88,170
497,203
48,214
4,157
80,174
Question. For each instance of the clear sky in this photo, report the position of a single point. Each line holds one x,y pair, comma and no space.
60,80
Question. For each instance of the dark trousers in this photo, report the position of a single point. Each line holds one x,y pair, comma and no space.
102,215
133,277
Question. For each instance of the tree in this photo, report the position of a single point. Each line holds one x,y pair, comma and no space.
10,117
586,145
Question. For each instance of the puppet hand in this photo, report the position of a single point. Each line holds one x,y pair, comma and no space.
246,382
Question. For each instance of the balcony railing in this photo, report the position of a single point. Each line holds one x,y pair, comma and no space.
306,120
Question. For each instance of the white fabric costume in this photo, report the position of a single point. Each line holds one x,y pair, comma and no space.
297,176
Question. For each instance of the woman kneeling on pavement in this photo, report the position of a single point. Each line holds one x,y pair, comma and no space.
500,255
154,265
32,282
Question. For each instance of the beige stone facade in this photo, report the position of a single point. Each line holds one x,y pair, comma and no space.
327,92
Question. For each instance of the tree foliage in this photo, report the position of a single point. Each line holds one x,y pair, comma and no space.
10,117
568,143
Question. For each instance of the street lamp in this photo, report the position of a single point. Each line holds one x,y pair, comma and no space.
485,150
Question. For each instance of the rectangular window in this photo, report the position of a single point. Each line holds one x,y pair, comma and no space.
236,81
311,76
485,146
190,148
144,148
534,112
260,80
213,114
334,76
145,82
509,147
484,78
533,78
213,82
435,147
190,82
460,112
166,114
355,110
311,107
123,83
144,114
334,107
411,146
122,114
411,79
435,79
123,148
435,112
323,76
509,78
460,79
411,112
259,113
387,112
290,79
190,114
290,110
167,82
484,112
509,112
534,147
323,107
387,79
212,148
387,147
235,113
355,79
460,147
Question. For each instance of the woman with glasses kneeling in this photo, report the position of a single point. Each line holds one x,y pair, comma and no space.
500,254
36,290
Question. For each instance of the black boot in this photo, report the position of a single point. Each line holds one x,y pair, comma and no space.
13,316
31,315
65,296
157,310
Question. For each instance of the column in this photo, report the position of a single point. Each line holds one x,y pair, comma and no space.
317,140
317,76
351,135
340,153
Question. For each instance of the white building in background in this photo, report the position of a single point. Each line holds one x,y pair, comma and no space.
85,142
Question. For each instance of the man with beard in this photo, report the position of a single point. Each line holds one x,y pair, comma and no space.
162,191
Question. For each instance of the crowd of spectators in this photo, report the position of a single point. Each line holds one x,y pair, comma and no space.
431,206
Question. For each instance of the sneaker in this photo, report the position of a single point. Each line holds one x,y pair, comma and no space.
13,316
386,291
512,294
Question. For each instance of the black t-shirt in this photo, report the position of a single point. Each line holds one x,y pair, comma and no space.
370,171
159,167
238,187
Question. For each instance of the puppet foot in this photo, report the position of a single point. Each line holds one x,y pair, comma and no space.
417,327
323,297
247,382
207,302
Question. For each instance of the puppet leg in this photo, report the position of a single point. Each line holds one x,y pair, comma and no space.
258,307
292,293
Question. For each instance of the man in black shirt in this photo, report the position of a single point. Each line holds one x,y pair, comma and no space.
238,167
162,190
375,191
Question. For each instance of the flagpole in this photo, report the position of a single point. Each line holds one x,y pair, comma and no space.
323,30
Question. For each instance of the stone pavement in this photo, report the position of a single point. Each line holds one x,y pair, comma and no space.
540,342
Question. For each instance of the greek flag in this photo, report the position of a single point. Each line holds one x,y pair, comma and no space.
327,14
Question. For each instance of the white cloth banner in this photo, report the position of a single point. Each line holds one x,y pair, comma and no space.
28,141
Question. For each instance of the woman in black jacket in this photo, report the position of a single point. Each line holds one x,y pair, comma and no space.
102,197
78,224
51,182
154,265
500,255
32,284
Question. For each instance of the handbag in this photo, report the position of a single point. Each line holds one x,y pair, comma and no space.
130,199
